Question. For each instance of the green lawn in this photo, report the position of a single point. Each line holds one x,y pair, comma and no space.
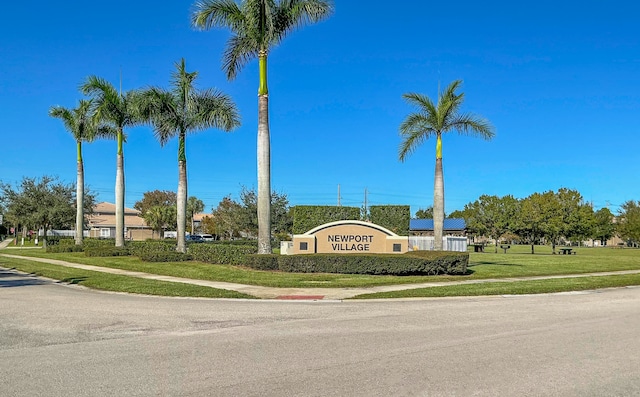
518,262
112,282
513,288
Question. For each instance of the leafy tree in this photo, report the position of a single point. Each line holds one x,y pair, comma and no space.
426,213
492,216
194,206
115,109
533,218
433,120
282,219
629,222
159,217
257,26
83,128
163,198
603,226
228,217
180,111
42,203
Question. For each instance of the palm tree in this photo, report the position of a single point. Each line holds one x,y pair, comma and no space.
194,206
433,120
257,26
184,110
83,128
115,109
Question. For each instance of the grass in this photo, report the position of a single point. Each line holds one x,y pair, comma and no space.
518,262
112,282
513,288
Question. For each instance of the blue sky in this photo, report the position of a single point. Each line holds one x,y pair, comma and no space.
560,81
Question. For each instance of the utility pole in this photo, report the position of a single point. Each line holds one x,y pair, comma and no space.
339,195
366,217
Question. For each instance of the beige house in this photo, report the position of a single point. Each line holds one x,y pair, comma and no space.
102,223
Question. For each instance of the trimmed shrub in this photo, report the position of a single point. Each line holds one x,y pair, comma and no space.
56,249
98,243
106,251
306,217
262,262
393,217
141,248
222,253
420,263
165,256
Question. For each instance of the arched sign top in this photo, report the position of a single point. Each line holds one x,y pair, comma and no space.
350,223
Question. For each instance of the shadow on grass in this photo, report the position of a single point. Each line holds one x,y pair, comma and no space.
494,264
73,280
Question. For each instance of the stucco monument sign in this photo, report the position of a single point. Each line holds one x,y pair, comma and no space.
349,237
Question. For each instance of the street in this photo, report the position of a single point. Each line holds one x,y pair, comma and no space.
59,340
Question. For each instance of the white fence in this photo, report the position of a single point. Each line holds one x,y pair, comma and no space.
449,243
63,233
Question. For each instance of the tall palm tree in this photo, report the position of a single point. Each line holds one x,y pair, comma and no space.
83,128
116,109
184,110
194,206
433,120
257,26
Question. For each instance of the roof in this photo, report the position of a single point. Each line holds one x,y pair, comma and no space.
104,215
109,208
427,224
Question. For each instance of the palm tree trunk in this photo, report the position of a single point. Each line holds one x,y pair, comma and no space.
120,200
79,197
181,202
438,199
264,162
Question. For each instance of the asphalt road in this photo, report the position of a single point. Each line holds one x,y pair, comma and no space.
60,340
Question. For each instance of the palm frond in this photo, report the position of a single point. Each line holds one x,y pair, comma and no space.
208,14
414,130
293,14
239,51
470,124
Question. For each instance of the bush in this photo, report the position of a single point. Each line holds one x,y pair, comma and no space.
413,263
56,249
262,262
106,251
98,243
165,256
222,253
141,248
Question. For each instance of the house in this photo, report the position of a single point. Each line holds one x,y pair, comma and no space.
424,227
102,223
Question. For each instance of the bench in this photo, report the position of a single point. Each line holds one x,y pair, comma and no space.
477,247
505,247
566,251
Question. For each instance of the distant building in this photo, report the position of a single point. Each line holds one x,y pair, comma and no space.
102,223
424,227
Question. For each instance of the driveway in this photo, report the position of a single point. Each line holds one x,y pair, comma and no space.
59,340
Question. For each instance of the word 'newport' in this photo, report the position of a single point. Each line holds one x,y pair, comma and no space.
350,238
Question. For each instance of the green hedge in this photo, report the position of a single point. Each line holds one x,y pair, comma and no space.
393,217
64,248
306,217
165,256
262,261
150,247
221,253
413,263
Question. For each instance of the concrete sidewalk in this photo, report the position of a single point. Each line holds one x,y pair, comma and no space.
304,293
